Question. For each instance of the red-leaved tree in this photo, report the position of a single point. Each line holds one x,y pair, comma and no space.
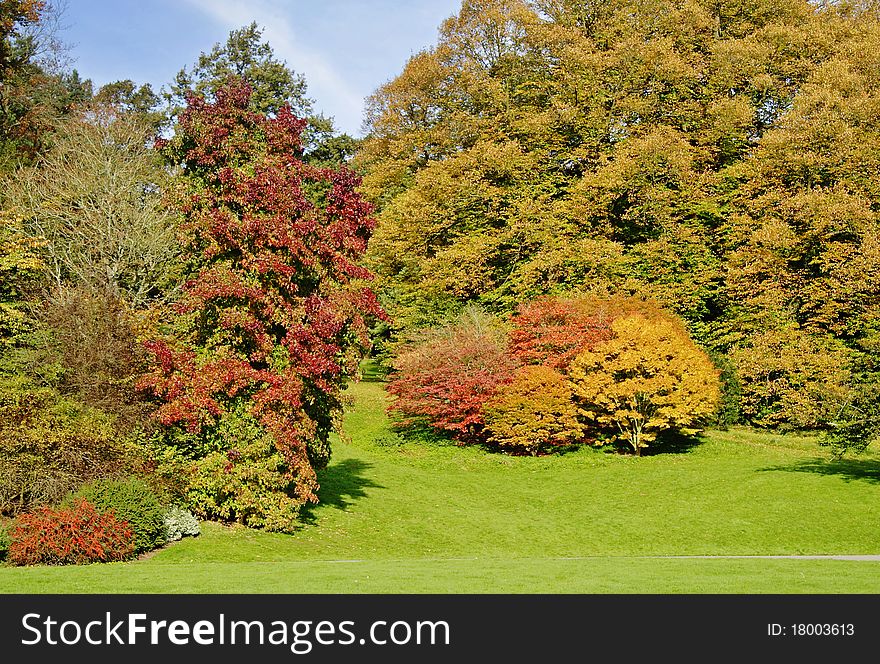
445,378
552,331
273,318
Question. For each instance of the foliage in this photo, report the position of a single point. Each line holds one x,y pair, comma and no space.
94,201
273,315
447,376
553,331
710,157
126,98
75,535
95,340
249,484
649,377
130,500
856,424
245,56
50,445
534,413
34,91
791,380
545,146
179,523
5,541
20,272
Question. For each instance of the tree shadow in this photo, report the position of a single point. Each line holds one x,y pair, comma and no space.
850,470
672,442
342,484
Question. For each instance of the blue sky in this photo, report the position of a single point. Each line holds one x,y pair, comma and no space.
345,48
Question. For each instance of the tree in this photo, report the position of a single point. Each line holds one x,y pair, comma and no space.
95,201
246,56
35,89
127,98
273,315
649,377
534,413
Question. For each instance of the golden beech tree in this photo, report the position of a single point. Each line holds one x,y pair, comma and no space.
649,377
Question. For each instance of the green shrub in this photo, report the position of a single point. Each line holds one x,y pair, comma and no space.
50,445
250,484
131,500
4,542
534,414
180,523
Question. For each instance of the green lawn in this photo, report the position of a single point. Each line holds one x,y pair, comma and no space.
418,517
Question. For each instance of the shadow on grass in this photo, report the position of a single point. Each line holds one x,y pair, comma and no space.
672,442
850,470
342,484
373,372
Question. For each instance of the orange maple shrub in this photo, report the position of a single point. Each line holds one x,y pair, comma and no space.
534,414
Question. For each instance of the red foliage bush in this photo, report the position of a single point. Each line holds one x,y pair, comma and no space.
75,535
552,331
448,377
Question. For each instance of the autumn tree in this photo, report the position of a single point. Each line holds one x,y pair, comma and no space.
534,413
36,89
648,378
95,200
445,377
273,315
245,55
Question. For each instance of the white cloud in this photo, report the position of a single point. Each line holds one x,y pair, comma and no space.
333,95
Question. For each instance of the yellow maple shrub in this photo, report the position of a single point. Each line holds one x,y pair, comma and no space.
534,413
649,377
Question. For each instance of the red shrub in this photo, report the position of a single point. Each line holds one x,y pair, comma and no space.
553,331
447,378
75,535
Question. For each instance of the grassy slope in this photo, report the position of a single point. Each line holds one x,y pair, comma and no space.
420,518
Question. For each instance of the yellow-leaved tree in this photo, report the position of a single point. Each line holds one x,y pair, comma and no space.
649,377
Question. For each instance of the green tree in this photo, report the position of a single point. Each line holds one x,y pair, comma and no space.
245,56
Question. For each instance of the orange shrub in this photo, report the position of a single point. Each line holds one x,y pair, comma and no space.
534,413
75,535
552,331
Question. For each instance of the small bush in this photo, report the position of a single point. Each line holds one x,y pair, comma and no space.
180,523
75,535
534,414
249,484
132,500
447,377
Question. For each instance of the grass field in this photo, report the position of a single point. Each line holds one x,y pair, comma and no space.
416,517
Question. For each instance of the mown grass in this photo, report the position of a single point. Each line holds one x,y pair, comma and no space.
413,515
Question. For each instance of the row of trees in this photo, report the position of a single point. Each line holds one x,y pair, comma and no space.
717,157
